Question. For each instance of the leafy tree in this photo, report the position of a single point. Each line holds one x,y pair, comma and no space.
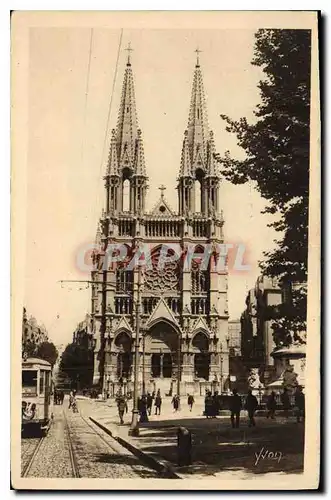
48,352
29,348
77,363
276,159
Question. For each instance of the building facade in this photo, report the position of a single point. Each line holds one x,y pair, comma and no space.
32,333
183,311
83,334
235,337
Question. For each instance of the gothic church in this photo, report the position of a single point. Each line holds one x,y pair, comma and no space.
183,330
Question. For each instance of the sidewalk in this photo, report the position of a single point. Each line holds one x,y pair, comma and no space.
217,449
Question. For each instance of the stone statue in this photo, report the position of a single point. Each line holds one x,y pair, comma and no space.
290,379
254,379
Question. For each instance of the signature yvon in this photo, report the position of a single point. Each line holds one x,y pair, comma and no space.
265,454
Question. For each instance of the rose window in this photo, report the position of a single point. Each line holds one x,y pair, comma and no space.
163,278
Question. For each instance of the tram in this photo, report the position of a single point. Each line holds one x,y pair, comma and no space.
37,408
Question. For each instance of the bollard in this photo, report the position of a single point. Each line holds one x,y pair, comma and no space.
184,446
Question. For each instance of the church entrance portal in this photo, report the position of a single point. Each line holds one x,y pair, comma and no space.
161,365
161,347
200,345
201,365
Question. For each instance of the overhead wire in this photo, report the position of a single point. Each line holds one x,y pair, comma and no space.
86,93
109,114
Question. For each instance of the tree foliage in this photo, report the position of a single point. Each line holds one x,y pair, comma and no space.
77,363
48,352
30,348
276,159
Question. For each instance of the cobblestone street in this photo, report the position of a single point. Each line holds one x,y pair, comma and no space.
75,448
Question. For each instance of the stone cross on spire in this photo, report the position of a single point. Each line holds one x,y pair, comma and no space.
162,188
129,50
198,51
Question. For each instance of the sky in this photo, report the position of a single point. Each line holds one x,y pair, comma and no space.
67,151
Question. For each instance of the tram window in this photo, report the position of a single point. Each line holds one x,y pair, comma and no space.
29,381
41,382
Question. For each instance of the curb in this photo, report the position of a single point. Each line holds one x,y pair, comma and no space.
159,465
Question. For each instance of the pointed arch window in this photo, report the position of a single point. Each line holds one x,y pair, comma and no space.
126,190
198,187
126,195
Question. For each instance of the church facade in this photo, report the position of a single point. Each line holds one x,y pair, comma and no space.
183,310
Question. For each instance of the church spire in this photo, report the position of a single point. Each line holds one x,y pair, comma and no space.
198,177
127,123
126,162
198,121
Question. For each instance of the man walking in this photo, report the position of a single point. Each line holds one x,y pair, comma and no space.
235,408
158,403
149,403
251,407
209,405
175,402
71,399
271,405
190,401
121,407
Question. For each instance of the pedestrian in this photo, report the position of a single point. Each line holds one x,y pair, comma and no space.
300,404
55,396
158,403
122,407
74,405
190,401
71,398
209,405
175,402
142,406
285,399
271,405
251,405
235,408
216,405
149,403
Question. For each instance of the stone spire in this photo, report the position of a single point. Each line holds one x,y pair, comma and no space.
126,161
98,240
185,164
212,169
198,164
197,127
112,167
139,163
127,123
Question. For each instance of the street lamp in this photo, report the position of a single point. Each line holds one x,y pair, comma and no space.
221,369
134,427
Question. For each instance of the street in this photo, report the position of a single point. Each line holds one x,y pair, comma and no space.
75,447
273,446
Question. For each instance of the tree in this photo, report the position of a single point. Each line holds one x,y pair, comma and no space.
276,159
29,348
48,352
77,363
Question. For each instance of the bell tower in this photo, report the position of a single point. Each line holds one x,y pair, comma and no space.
126,179
198,179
